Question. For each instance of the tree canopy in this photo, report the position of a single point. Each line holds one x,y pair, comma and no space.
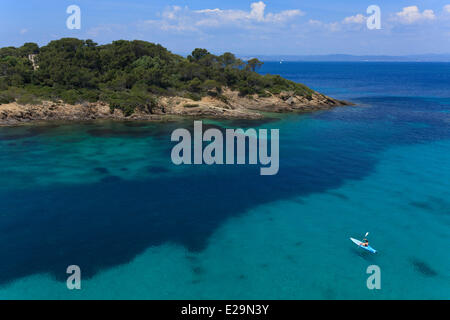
126,74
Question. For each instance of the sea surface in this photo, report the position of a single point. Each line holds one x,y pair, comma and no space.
105,196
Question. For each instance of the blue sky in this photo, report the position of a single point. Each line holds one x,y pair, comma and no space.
267,27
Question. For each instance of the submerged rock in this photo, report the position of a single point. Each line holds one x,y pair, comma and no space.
423,268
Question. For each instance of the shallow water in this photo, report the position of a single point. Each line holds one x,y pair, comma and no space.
105,196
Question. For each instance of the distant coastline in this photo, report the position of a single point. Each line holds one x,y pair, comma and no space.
355,58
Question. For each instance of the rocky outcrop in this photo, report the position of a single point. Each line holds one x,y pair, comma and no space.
283,102
32,58
228,105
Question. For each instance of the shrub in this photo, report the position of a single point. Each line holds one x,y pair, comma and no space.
195,85
28,98
70,96
211,84
264,94
193,96
223,99
128,102
6,97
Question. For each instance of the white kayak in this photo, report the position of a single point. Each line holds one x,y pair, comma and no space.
359,243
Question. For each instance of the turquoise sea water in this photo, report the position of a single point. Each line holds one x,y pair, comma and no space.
105,196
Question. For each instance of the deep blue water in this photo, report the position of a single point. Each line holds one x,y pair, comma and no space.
105,196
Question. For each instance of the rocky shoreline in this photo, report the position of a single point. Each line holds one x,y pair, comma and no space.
229,106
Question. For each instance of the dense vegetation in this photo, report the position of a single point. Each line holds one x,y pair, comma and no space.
126,74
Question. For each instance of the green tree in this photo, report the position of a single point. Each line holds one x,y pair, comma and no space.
28,48
227,59
198,54
254,64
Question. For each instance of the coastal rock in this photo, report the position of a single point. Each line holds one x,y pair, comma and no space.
229,106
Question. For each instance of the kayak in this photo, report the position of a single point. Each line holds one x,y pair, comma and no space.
359,243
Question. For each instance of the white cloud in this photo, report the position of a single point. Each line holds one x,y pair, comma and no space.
23,31
358,19
412,14
283,15
257,13
258,10
172,14
329,27
349,23
176,18
258,28
317,23
334,26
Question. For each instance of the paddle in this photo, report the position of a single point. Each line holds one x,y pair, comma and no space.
364,238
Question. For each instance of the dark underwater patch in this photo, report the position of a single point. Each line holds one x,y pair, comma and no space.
434,204
105,132
423,268
338,195
42,129
421,205
101,170
198,270
138,130
30,143
299,201
364,254
244,123
18,136
298,243
441,205
17,133
291,259
192,258
156,169
136,124
111,179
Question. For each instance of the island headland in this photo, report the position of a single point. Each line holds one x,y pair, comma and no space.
72,79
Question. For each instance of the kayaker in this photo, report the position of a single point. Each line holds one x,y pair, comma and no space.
365,242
